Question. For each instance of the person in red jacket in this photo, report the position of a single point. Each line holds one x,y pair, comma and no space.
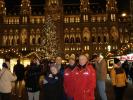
68,79
84,80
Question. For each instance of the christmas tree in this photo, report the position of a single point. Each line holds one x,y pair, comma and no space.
49,42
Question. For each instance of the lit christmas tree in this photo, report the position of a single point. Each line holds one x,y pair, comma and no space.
49,41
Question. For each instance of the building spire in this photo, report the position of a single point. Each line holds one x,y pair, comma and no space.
84,5
54,8
111,5
25,7
2,7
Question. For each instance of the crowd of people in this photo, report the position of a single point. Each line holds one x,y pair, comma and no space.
78,80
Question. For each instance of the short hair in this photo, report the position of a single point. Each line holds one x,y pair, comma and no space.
4,65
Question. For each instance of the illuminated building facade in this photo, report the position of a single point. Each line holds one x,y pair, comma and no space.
79,29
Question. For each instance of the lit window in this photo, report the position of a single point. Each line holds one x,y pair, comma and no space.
93,19
85,18
77,19
66,20
88,47
85,48
99,19
104,19
38,20
71,19
43,20
32,21
109,48
24,20
113,17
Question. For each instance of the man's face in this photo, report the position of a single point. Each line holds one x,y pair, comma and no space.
54,70
58,60
83,60
71,62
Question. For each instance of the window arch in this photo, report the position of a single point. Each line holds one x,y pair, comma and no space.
18,41
66,30
66,40
85,39
12,42
86,34
114,33
7,42
33,41
77,40
99,39
93,39
39,40
72,40
104,39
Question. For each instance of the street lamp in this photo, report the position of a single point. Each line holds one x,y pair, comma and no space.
124,14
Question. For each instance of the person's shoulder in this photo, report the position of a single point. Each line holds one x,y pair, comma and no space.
90,67
15,66
22,65
8,72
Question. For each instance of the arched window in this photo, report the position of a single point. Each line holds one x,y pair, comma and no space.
66,40
77,40
18,41
72,40
39,40
85,39
12,42
33,41
7,42
93,39
104,39
99,39
25,41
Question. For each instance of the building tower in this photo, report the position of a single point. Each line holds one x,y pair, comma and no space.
25,7
2,10
25,11
54,8
86,22
85,6
111,9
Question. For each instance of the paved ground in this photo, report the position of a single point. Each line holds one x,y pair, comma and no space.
110,94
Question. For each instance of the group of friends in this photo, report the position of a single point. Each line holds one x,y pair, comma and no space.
75,81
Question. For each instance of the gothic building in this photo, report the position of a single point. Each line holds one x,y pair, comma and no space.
79,29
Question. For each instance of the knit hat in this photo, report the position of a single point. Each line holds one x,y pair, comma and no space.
116,60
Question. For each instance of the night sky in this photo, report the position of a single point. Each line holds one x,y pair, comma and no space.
13,5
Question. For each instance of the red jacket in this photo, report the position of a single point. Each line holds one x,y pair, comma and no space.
85,83
68,82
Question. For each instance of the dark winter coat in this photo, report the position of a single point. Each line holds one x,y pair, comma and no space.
32,78
53,89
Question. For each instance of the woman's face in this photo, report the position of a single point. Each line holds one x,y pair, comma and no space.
71,62
54,70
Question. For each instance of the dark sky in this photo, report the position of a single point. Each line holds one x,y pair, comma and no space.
13,5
